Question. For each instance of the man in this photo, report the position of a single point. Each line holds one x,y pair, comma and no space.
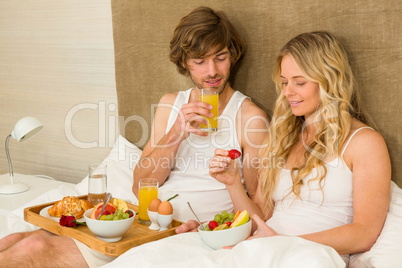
212,50
205,47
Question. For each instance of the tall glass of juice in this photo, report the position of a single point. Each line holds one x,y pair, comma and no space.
211,96
148,191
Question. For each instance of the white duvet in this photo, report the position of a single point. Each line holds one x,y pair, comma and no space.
188,250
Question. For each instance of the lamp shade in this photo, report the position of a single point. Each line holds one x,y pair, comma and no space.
25,128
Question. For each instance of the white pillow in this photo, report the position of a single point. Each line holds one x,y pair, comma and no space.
120,166
387,250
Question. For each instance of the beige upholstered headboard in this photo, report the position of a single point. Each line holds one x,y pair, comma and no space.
370,30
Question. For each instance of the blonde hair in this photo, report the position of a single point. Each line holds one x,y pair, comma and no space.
321,59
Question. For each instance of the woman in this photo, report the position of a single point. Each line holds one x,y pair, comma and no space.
325,174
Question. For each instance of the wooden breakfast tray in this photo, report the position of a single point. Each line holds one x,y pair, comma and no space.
138,234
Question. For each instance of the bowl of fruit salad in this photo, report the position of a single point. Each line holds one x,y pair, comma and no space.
226,229
115,221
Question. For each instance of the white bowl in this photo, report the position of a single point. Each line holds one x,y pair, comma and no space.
109,231
226,237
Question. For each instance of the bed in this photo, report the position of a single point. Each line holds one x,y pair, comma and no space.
369,30
142,30
188,249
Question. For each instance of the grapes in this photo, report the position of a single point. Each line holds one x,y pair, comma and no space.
118,215
109,217
224,214
218,218
221,218
231,216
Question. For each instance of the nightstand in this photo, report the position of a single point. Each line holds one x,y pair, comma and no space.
38,186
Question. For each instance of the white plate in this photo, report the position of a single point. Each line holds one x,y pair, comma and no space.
44,213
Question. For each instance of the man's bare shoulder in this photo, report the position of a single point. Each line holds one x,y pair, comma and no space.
249,109
164,108
168,98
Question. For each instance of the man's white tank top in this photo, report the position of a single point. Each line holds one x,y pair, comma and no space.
316,210
189,175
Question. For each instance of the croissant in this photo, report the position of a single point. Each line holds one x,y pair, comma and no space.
68,206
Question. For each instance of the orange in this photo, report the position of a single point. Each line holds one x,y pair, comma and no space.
110,209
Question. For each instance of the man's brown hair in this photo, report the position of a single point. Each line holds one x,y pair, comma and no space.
200,31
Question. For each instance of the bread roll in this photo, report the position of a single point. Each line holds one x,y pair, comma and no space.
70,206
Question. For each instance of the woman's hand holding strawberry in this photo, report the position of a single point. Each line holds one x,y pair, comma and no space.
223,166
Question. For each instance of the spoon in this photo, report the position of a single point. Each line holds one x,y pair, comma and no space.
202,227
108,196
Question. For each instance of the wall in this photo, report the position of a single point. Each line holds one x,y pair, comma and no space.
57,64
370,30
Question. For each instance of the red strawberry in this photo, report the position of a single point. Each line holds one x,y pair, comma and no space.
228,223
130,213
234,154
212,225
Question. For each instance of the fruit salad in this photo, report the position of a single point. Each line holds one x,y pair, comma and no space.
118,210
227,220
118,215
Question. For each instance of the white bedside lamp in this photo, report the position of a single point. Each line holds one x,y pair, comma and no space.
24,129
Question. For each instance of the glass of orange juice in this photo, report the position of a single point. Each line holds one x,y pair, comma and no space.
211,96
148,191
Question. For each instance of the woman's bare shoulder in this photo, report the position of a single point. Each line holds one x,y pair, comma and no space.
365,142
363,133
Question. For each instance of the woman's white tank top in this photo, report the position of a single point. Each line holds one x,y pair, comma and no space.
316,210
